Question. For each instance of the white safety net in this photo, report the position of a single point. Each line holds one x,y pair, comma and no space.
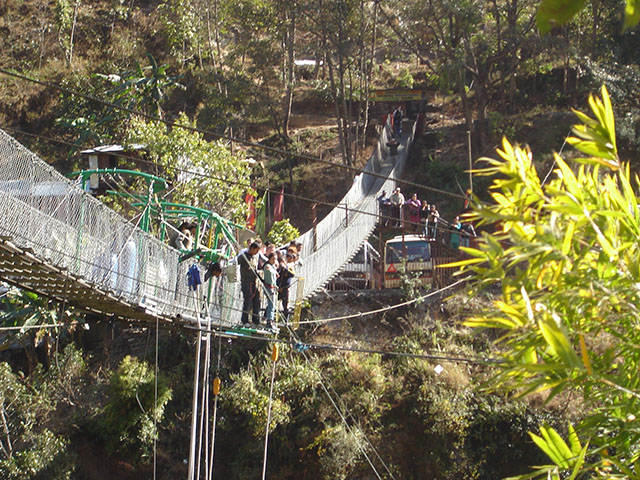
42,210
342,232
65,226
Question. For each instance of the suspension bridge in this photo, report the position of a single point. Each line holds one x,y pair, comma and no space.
59,241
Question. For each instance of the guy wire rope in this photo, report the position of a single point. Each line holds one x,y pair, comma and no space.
274,360
379,310
194,407
337,409
216,392
387,308
208,132
155,406
348,412
204,403
270,190
357,315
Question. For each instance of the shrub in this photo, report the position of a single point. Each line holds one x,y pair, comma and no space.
29,450
282,232
250,398
338,450
128,418
404,79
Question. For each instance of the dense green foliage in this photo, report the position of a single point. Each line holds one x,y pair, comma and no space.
423,421
566,256
29,448
205,174
282,232
129,417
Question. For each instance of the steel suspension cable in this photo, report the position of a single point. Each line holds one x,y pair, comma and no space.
348,412
340,206
387,308
155,410
194,409
208,132
337,409
274,360
216,391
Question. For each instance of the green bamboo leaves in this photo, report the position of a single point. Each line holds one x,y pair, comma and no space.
631,14
565,457
555,13
566,256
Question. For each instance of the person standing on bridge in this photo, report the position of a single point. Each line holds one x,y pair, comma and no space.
432,223
397,202
398,115
456,227
247,259
413,207
270,283
184,239
383,207
286,274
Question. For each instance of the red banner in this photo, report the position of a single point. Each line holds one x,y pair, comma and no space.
278,206
250,200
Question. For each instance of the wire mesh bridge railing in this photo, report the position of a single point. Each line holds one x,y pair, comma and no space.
59,241
337,238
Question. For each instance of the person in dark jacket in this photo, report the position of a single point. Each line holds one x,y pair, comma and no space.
247,259
398,115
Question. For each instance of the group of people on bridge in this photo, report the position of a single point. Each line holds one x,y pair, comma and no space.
263,268
267,269
419,216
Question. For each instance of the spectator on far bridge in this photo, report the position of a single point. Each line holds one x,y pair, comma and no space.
397,201
432,223
413,208
398,115
468,232
384,207
456,226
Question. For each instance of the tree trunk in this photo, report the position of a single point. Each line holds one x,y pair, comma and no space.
290,72
346,118
482,101
209,38
466,104
336,103
5,446
369,66
76,5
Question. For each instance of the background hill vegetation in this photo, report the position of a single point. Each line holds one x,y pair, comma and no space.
78,403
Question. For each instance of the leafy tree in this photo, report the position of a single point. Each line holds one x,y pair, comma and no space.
552,13
28,447
128,418
20,308
343,30
141,88
66,17
184,24
473,47
567,258
219,179
282,232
